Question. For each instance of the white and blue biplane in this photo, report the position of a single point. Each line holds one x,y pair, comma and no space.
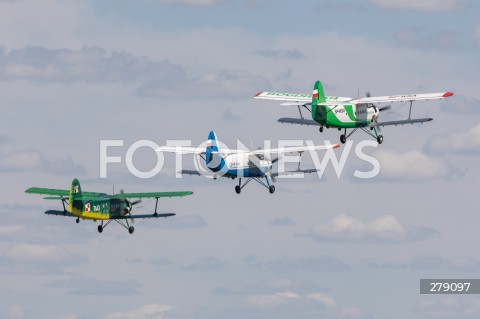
250,165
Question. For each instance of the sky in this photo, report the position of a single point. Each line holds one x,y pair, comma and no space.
74,73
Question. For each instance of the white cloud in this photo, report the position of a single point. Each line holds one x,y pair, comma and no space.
322,298
11,229
461,142
410,165
343,228
33,160
195,3
16,311
425,5
450,307
36,258
151,311
476,33
271,300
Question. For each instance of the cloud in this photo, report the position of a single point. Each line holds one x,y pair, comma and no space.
151,311
182,222
461,105
411,165
282,54
33,160
330,6
421,38
271,300
4,139
222,84
431,262
88,64
208,263
461,142
193,3
286,221
36,258
427,5
449,307
314,264
16,311
322,298
92,286
476,33
383,229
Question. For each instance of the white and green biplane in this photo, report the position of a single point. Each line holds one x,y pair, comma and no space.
100,206
347,113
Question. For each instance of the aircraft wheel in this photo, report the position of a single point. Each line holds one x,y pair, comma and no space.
343,138
321,129
100,228
271,189
78,220
131,229
380,139
238,189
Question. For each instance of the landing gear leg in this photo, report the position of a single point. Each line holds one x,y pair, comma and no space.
238,189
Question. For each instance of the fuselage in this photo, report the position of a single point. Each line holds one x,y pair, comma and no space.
241,165
345,115
102,208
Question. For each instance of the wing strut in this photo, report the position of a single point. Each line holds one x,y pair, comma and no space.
410,111
156,204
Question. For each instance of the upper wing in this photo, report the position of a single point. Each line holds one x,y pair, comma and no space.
181,149
293,149
297,98
152,195
403,97
61,192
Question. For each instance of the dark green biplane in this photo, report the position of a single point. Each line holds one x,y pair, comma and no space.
100,206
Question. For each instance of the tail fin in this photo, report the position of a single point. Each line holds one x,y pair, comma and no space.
213,158
75,193
318,95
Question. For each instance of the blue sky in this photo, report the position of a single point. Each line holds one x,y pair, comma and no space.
74,73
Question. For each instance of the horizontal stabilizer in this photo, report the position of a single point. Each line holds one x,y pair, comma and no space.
59,213
56,198
290,120
190,172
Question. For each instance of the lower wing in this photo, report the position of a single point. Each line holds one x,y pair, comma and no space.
401,122
144,216
305,171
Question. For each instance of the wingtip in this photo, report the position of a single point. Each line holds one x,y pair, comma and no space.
258,94
335,145
447,94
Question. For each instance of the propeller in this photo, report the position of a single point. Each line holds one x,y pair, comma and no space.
130,205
